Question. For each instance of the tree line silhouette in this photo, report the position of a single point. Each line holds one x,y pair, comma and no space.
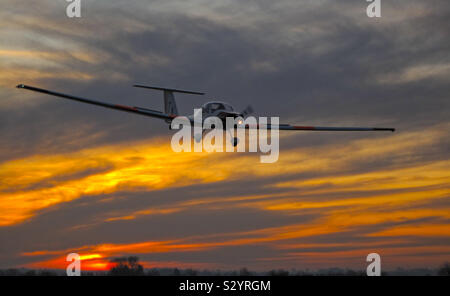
129,266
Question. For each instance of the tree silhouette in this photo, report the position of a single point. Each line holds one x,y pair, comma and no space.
126,266
244,272
190,272
279,272
444,269
176,272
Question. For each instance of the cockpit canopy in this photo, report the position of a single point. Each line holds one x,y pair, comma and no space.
214,106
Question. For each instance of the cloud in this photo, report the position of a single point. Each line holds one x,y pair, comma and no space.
133,186
440,72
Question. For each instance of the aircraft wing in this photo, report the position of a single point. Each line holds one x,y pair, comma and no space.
135,110
288,127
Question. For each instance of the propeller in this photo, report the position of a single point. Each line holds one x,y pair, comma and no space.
247,111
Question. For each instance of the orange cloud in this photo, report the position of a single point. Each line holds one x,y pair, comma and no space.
399,194
88,262
30,184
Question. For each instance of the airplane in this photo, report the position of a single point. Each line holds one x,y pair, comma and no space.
218,109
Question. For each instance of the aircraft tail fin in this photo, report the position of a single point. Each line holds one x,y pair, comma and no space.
170,106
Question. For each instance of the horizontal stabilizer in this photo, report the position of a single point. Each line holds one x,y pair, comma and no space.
170,89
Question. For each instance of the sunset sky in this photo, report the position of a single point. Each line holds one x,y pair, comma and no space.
101,183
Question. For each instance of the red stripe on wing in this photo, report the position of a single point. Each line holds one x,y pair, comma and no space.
126,107
304,127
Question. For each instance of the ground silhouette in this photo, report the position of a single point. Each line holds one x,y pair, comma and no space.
126,266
